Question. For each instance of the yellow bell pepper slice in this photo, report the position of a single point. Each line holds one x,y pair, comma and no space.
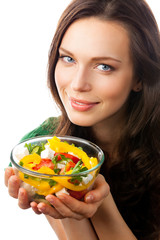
93,162
58,146
31,160
63,180
52,190
39,184
45,170
42,186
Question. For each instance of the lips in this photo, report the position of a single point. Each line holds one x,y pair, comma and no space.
81,105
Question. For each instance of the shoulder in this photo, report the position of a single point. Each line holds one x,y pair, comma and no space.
48,127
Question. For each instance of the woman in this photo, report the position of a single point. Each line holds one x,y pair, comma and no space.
104,74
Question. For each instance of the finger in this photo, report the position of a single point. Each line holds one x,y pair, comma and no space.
35,208
79,208
49,210
62,208
23,200
8,173
13,186
99,192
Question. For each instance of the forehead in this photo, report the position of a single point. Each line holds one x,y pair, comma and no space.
97,37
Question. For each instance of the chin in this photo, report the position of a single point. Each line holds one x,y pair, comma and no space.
81,121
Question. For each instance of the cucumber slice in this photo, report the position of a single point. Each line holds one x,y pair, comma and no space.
35,150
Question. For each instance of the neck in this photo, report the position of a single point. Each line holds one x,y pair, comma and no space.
107,134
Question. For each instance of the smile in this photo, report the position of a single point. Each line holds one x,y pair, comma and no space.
81,105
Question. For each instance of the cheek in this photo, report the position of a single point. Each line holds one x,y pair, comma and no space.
114,89
62,78
59,77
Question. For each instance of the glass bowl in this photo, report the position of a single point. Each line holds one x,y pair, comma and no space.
39,183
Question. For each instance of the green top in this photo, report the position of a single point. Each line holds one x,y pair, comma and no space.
46,128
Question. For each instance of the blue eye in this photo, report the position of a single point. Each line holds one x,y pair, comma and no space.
104,67
67,59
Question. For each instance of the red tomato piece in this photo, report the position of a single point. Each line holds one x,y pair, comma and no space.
45,162
59,157
77,194
75,181
68,166
67,155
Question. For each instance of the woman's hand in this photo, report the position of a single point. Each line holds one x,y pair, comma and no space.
13,184
66,206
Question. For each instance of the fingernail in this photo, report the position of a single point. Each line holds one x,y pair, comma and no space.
61,196
89,198
49,199
21,193
41,209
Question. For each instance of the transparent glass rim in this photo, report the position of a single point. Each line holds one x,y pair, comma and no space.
64,138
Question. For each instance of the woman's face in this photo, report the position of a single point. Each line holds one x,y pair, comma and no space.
94,72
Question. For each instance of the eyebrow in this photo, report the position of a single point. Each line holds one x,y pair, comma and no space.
94,58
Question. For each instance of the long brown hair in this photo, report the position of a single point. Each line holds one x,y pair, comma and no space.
135,178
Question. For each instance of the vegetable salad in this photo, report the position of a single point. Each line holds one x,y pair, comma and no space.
60,159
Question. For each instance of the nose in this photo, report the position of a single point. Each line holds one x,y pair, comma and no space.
81,80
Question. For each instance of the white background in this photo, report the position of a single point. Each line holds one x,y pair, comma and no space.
26,31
